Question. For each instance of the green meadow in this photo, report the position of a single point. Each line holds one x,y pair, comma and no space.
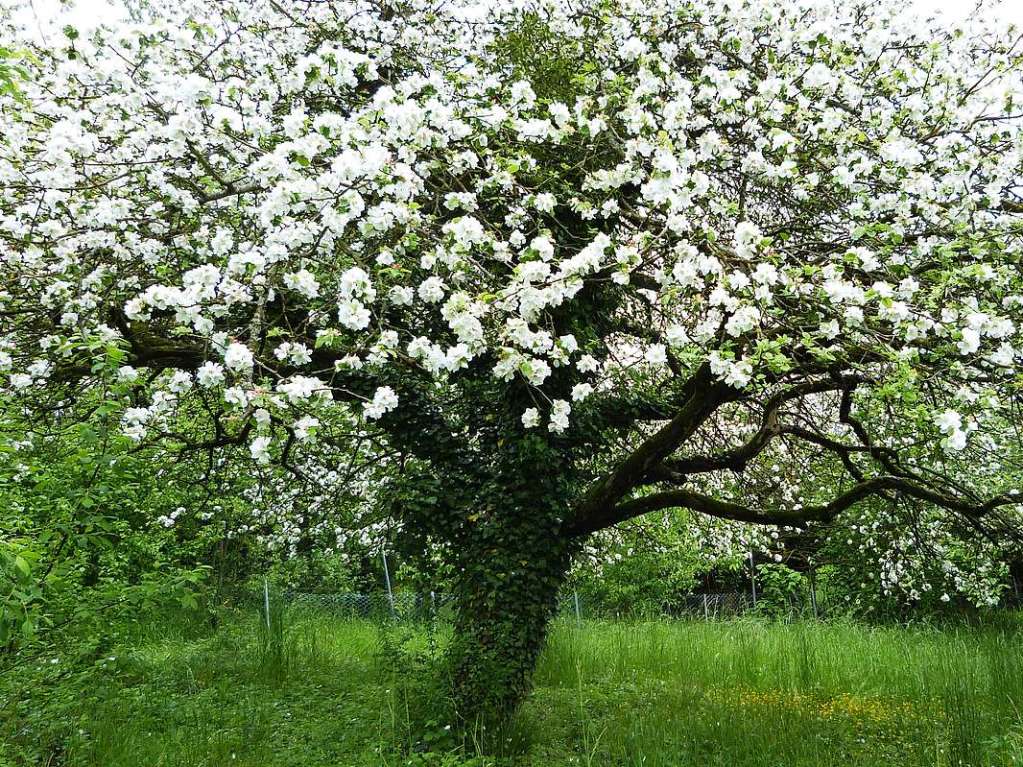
314,689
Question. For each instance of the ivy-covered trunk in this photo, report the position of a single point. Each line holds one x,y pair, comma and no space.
501,514
506,598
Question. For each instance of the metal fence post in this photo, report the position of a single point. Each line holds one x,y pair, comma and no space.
706,609
813,591
266,601
387,578
578,615
753,576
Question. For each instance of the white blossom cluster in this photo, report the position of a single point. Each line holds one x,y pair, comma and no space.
269,214
140,192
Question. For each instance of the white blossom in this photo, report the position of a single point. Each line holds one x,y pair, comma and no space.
560,410
530,417
384,400
238,358
259,449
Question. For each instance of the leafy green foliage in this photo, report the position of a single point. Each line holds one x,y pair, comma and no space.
781,590
13,70
80,535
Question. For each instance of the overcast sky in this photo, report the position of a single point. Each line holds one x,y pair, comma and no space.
49,14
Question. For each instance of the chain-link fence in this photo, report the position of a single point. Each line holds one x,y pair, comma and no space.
405,605
411,605
414,605
708,606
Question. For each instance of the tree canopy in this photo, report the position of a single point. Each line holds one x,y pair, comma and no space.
538,270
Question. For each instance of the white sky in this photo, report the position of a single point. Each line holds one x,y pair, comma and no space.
50,15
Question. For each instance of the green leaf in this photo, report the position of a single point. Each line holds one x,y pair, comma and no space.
22,566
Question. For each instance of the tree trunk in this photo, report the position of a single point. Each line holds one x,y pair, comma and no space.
506,596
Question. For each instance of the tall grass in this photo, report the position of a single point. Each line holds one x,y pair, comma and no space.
311,689
750,692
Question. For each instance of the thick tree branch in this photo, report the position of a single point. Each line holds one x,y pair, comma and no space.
737,458
702,395
823,513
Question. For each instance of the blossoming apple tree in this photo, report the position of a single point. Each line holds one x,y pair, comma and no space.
561,265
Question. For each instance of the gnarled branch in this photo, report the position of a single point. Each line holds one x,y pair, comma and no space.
802,517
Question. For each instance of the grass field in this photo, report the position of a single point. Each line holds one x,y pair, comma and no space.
315,690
